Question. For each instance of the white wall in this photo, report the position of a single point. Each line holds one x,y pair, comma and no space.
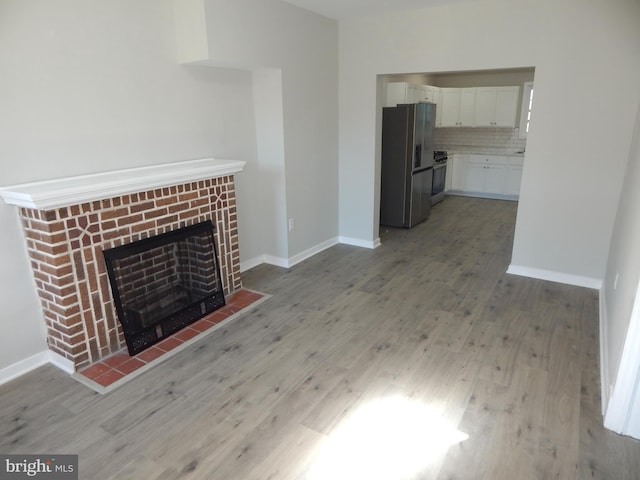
620,323
88,86
587,88
271,204
264,35
22,330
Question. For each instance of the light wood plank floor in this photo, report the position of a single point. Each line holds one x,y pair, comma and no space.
350,370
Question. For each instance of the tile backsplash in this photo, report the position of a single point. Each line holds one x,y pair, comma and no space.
479,140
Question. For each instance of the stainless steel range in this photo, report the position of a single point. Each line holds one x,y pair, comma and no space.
439,175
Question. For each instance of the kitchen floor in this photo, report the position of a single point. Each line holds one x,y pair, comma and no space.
421,359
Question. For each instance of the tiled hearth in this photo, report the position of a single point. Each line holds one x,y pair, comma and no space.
69,222
119,368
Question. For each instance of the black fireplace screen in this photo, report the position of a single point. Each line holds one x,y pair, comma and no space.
164,283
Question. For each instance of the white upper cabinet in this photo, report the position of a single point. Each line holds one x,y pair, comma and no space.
416,93
460,107
485,112
396,92
456,106
467,105
449,107
506,106
433,94
496,106
403,92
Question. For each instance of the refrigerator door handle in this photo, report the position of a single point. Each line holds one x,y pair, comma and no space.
418,157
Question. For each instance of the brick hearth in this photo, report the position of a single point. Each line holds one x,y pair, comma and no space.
65,246
117,369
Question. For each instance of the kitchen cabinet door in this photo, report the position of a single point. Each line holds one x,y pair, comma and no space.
416,93
438,102
432,94
513,176
456,166
494,179
396,92
484,174
403,92
457,106
479,178
506,106
484,114
474,177
496,106
512,181
449,107
467,107
487,176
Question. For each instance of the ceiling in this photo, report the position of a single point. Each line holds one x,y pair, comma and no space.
342,9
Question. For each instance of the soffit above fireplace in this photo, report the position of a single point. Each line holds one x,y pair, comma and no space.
51,194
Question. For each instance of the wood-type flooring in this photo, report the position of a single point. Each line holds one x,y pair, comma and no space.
421,359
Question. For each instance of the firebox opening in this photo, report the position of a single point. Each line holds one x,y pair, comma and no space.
164,283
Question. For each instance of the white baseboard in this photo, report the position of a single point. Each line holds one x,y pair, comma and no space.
552,276
492,196
357,242
312,251
605,389
300,257
24,366
252,262
277,261
260,259
61,362
35,361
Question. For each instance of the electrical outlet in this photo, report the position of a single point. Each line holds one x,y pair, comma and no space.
292,224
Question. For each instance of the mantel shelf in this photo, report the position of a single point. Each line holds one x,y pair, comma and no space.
64,192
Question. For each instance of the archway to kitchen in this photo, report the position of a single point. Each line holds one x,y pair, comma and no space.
482,121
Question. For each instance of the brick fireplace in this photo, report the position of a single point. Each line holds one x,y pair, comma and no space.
68,223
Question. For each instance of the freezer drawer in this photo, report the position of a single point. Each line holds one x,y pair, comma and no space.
420,207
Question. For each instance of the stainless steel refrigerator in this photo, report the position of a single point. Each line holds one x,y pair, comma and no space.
407,164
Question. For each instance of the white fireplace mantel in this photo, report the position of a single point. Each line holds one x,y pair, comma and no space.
64,192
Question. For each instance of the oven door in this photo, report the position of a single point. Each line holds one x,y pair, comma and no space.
437,188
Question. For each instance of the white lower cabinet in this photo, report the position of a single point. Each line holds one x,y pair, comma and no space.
455,171
513,177
496,176
484,175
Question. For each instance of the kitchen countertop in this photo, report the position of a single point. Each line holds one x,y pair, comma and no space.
510,151
483,152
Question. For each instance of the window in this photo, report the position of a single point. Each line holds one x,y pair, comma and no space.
527,104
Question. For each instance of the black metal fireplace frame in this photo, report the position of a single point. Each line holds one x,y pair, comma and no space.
138,336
